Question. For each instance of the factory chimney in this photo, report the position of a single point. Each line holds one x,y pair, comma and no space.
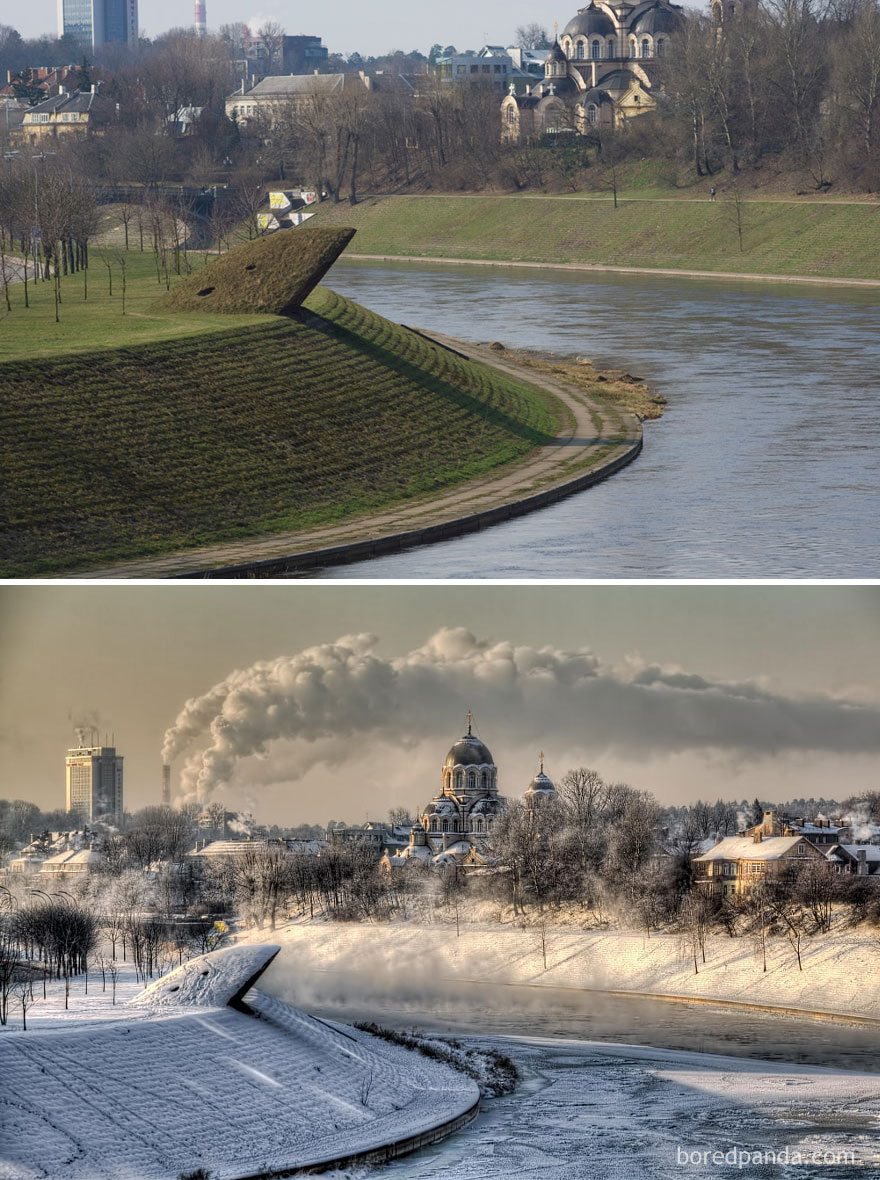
201,22
166,785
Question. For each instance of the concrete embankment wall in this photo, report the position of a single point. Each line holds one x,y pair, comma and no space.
379,1155
447,530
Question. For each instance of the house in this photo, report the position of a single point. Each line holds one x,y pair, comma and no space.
273,95
492,66
862,860
79,112
821,832
737,864
70,863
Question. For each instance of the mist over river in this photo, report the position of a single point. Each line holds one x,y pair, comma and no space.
765,464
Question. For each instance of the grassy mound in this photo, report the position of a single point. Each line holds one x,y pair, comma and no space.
277,426
272,275
778,237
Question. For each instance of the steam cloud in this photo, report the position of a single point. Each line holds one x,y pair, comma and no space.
333,696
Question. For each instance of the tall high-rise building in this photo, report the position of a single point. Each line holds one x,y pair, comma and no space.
94,783
97,22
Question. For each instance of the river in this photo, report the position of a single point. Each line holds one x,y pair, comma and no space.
623,1085
765,464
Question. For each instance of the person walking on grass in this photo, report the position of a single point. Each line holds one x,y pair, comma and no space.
712,193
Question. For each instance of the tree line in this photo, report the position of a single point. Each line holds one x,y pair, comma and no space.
786,88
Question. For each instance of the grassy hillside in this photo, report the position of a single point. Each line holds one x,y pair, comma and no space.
273,424
777,237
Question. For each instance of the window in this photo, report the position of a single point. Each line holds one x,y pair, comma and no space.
487,69
611,49
472,780
646,47
580,49
592,113
461,69
41,118
446,825
595,51
801,850
633,49
484,780
660,46
511,118
459,779
475,69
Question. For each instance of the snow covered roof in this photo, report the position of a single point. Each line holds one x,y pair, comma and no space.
745,848
862,851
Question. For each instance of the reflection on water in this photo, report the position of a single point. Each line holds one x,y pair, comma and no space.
497,1009
765,464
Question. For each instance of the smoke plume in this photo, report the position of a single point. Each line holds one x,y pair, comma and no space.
331,698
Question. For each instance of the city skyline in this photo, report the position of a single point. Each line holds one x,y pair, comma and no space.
686,692
354,28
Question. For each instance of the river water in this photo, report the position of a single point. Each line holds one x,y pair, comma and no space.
620,1086
766,463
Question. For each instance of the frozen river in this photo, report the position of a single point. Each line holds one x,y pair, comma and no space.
765,464
619,1086
587,1111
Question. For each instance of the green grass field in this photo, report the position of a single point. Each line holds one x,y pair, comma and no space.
833,240
136,435
98,321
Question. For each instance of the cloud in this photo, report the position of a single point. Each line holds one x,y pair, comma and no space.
332,698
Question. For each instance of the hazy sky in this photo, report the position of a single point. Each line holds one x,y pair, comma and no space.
684,691
344,27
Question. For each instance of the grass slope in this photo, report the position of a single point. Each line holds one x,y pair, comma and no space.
777,237
274,424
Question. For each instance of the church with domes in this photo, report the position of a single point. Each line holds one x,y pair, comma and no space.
600,72
456,825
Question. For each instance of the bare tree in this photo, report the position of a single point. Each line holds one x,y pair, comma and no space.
532,36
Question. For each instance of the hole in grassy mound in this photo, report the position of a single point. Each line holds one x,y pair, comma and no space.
251,266
206,290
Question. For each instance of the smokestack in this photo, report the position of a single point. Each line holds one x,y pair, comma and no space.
166,785
201,22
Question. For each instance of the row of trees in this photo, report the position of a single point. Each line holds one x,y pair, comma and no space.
793,77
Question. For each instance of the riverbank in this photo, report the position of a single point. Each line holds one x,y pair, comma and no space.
598,268
601,437
837,980
751,238
277,426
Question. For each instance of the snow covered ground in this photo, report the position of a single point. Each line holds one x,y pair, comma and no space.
157,1087
841,971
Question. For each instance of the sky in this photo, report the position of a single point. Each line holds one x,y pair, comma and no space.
311,701
346,27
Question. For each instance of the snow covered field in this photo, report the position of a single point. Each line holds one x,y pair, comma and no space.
841,970
159,1087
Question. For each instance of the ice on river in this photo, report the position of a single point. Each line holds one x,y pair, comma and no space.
586,1110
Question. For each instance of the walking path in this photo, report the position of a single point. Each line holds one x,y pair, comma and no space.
748,276
600,441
